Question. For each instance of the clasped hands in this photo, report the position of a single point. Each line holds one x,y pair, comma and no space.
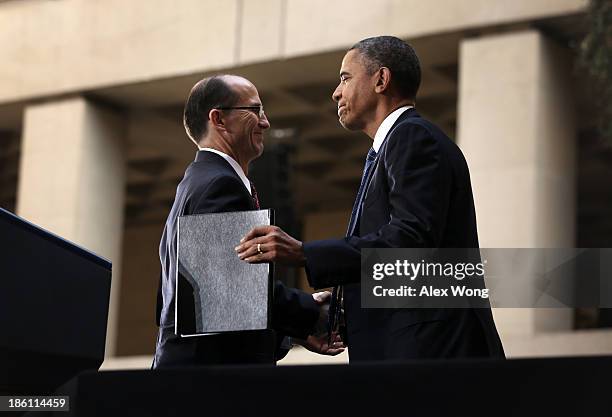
271,244
319,341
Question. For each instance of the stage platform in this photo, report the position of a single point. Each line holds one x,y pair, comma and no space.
520,387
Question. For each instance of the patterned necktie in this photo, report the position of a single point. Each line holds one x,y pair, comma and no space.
254,196
335,306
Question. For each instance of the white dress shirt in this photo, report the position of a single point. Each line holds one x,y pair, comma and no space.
386,125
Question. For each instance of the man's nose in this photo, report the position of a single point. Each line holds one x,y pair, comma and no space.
264,123
337,94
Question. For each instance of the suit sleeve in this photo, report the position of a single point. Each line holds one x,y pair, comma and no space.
419,184
294,313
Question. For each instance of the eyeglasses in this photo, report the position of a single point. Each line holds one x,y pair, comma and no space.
258,110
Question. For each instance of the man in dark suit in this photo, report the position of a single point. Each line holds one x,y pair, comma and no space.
224,117
415,193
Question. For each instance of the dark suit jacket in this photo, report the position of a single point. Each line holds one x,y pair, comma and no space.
419,195
211,185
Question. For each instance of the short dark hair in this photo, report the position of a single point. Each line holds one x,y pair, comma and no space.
398,56
206,95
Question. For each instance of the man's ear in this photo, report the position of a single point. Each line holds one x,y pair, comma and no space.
216,119
383,80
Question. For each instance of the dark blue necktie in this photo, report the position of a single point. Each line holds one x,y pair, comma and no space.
335,305
362,187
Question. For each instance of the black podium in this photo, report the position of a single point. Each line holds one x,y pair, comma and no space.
54,298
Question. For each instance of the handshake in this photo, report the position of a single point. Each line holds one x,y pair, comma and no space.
271,244
320,341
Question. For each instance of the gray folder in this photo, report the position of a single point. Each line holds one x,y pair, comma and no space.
216,291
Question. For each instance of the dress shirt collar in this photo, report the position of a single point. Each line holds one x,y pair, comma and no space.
234,165
386,125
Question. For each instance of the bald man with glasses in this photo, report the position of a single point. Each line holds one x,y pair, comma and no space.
225,119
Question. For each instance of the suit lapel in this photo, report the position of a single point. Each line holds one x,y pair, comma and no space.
406,115
211,158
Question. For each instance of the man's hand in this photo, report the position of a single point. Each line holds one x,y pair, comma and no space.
270,244
322,299
319,344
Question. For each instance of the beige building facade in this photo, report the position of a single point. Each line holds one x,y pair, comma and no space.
92,144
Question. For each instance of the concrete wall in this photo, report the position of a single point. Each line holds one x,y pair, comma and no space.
55,47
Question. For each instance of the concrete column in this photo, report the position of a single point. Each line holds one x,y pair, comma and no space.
72,180
516,127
